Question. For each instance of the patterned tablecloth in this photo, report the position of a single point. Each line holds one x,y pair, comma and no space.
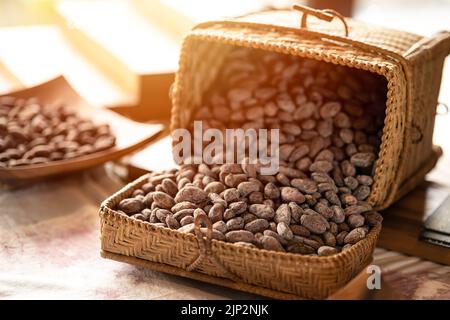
49,249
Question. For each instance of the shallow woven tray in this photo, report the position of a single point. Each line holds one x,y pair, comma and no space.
267,273
273,274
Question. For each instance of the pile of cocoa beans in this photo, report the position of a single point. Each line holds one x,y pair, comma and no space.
33,133
330,119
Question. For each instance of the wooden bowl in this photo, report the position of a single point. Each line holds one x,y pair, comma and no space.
130,135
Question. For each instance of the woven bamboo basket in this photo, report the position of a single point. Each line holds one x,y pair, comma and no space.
412,66
272,274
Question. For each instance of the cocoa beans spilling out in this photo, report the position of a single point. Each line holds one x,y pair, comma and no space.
330,119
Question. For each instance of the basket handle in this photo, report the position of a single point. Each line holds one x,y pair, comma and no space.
326,15
205,244
205,247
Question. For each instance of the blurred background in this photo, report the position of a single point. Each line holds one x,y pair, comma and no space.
122,53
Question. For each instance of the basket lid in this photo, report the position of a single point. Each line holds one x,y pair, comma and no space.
400,45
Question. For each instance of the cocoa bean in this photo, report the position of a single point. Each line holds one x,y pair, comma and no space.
363,159
283,214
183,205
340,237
271,191
235,223
330,109
324,210
289,194
162,214
362,192
186,220
172,223
329,239
326,251
257,225
365,180
296,211
373,218
163,200
191,194
306,185
131,206
284,230
239,236
271,243
355,221
245,188
216,212
234,209
355,235
231,195
188,228
299,230
262,211
255,197
169,187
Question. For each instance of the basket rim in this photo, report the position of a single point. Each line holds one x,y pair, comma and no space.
106,212
248,20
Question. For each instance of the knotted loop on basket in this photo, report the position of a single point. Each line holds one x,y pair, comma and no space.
417,134
326,15
204,243
205,248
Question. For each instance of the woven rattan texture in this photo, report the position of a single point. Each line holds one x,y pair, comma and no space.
301,275
388,39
